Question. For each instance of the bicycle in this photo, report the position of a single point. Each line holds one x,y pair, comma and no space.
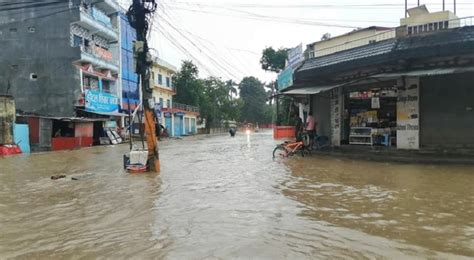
288,149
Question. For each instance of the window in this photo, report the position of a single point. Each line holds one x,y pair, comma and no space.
168,82
90,82
77,41
152,75
160,79
161,102
372,41
168,103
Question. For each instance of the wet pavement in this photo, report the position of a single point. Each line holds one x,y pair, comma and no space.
220,197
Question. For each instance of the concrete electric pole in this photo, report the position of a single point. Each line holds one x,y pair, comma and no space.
138,15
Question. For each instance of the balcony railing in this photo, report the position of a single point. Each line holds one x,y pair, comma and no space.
98,16
185,107
440,25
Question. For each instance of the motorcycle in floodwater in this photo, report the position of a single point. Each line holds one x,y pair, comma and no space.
232,132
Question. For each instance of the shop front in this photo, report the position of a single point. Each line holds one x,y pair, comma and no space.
384,114
371,117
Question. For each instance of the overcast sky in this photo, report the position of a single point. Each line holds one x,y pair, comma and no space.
225,38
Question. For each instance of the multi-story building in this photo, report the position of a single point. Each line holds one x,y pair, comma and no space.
178,119
60,60
130,94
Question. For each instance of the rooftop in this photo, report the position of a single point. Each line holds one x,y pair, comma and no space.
441,43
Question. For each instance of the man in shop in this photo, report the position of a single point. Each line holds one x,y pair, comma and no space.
311,128
298,127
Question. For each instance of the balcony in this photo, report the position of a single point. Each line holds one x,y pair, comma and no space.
97,24
177,107
101,58
184,107
172,90
109,6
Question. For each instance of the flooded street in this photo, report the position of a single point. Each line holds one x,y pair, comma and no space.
221,197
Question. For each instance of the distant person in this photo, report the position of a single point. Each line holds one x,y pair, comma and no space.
311,126
298,126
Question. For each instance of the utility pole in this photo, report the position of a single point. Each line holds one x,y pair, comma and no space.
137,16
406,8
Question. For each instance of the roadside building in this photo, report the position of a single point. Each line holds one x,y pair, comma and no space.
130,90
412,89
62,68
178,119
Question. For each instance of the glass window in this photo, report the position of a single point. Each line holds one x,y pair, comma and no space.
161,102
168,82
168,103
160,79
77,41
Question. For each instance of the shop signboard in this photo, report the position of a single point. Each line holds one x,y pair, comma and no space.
408,118
100,102
285,78
110,124
295,56
336,112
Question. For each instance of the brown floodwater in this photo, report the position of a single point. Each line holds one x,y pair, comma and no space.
221,197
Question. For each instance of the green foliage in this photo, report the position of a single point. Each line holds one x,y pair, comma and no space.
254,100
274,60
217,103
218,100
189,87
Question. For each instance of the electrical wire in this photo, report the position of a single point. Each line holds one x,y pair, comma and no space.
194,43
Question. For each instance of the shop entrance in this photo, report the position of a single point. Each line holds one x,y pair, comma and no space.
372,117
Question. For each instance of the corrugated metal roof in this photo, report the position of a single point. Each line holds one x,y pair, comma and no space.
309,90
431,72
444,43
374,49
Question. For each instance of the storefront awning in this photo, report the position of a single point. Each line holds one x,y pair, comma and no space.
309,90
103,113
108,113
431,72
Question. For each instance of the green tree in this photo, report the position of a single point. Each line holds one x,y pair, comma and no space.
217,103
189,88
274,60
254,99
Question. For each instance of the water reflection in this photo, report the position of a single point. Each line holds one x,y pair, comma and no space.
428,206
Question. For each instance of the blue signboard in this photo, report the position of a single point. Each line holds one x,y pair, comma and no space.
100,102
285,78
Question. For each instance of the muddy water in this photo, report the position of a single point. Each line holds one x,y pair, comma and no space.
223,198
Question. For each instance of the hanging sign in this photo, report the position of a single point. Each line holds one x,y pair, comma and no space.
100,102
408,122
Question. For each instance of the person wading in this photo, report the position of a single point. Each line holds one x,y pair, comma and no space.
311,127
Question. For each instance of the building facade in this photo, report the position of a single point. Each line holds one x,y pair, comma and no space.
60,61
178,119
412,91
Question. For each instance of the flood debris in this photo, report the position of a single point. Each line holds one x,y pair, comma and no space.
82,177
57,177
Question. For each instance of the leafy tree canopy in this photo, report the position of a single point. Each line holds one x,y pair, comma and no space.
274,60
